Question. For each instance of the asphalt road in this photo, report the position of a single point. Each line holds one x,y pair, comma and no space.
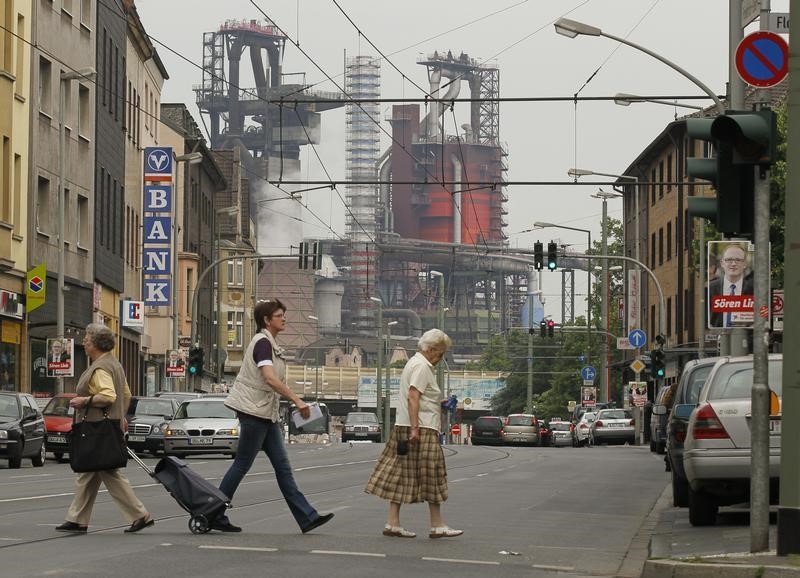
525,512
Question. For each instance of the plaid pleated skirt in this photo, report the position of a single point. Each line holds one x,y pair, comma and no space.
419,476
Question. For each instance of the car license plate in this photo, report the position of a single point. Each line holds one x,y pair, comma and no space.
57,439
361,434
775,426
201,441
136,438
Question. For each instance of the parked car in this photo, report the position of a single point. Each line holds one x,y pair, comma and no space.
692,379
21,429
521,428
580,430
361,425
58,417
147,420
579,410
202,426
717,452
179,395
658,418
612,425
562,433
487,429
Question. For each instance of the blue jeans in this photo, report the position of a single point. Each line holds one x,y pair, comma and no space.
257,434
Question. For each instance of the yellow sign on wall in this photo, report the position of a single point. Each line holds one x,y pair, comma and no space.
36,287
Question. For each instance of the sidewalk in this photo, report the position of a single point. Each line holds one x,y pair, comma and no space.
680,550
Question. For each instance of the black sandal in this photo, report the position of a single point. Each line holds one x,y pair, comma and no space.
140,524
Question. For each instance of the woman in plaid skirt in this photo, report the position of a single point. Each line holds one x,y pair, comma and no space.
411,468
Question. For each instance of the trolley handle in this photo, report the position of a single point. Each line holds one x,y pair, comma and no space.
139,461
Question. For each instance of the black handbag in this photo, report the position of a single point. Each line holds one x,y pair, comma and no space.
95,446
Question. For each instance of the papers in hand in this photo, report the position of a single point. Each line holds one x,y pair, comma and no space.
300,421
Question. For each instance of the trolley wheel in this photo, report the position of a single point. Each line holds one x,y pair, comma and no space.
199,524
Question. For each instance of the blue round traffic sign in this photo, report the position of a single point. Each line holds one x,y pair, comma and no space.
762,59
637,338
588,373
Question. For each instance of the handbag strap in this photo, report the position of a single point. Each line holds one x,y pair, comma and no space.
86,410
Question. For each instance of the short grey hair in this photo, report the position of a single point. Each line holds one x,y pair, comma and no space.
101,336
434,339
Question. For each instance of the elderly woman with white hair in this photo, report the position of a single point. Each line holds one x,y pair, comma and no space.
411,468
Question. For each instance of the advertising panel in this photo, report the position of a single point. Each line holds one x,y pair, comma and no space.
60,353
730,284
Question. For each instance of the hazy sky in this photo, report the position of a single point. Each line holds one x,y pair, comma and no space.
544,139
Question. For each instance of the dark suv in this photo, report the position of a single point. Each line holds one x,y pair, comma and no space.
361,425
487,430
693,377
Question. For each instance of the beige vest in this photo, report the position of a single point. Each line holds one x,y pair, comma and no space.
117,409
251,394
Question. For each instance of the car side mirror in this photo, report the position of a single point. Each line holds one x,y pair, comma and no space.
683,410
659,410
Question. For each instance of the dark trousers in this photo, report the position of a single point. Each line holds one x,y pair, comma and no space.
258,434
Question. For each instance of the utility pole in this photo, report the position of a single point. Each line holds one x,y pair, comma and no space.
529,396
379,368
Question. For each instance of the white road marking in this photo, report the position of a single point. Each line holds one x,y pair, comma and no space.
343,553
481,475
32,476
238,548
11,539
460,561
554,568
458,480
61,495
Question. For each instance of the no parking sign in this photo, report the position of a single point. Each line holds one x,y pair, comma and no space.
762,59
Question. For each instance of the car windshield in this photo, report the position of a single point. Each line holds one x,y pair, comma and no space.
213,409
9,406
362,418
735,380
59,406
588,416
560,426
153,407
614,414
697,380
520,420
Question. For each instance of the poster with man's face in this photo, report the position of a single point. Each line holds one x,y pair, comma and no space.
730,284
60,353
175,365
588,396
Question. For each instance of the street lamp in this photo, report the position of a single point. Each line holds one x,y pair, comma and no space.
575,172
601,194
387,406
440,323
543,225
86,74
572,28
232,210
379,368
188,159
624,99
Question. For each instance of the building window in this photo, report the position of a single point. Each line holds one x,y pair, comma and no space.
86,13
5,181
687,229
235,328
43,205
67,220
669,171
653,251
82,224
17,199
187,301
687,303
84,112
677,238
660,246
669,241
653,320
669,315
653,187
45,86
236,272
19,83
660,179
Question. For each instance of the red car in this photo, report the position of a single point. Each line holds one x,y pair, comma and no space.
58,424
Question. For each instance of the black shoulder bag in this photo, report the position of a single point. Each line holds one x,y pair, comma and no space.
95,446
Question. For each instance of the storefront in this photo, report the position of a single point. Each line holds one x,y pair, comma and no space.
11,334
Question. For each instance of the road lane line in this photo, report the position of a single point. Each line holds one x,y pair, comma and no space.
460,561
344,553
61,495
238,548
553,568
32,476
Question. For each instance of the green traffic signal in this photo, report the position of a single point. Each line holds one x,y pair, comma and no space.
552,256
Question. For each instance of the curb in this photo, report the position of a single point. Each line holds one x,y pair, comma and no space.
639,549
676,569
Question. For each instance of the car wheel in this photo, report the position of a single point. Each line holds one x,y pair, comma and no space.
38,459
702,509
661,448
680,491
14,463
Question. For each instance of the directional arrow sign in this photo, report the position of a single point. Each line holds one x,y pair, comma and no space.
588,373
637,338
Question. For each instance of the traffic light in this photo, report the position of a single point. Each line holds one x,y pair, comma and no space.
657,367
742,140
552,256
538,256
196,360
551,327
303,255
543,328
316,262
313,250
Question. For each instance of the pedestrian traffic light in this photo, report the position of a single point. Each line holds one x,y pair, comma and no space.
552,256
196,360
543,328
538,256
657,367
551,327
742,140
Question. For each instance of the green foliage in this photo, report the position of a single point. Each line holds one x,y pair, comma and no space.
778,199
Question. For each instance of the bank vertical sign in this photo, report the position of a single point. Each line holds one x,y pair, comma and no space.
158,233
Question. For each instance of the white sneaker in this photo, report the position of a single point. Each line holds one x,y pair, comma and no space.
444,532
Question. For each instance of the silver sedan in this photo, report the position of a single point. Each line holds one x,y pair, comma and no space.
202,426
612,425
